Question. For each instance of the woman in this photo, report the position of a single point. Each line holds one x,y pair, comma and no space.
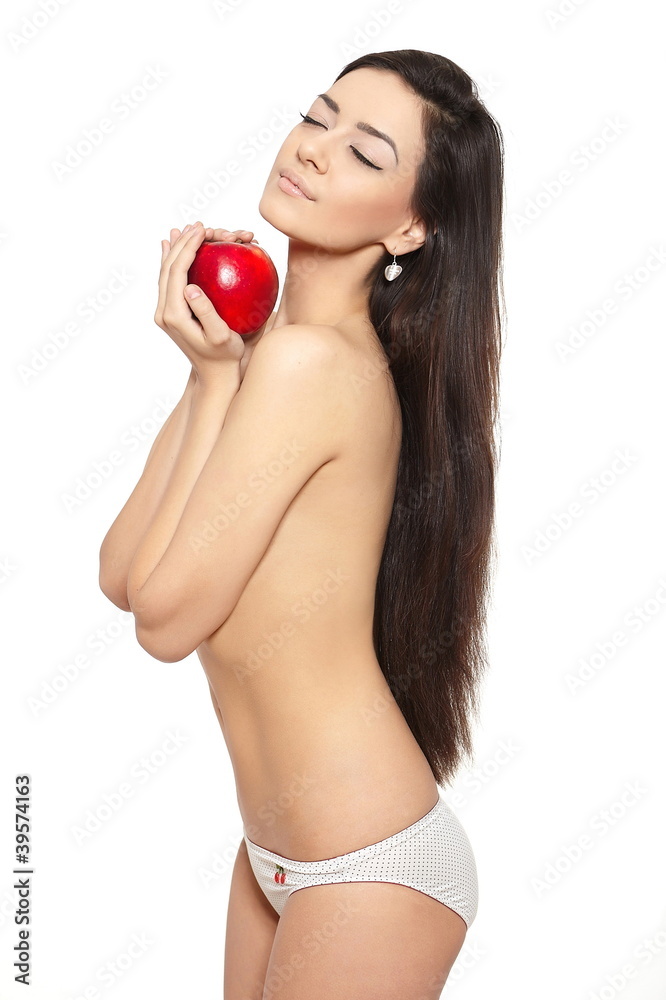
315,519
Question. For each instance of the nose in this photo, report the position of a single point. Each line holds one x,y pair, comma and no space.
313,148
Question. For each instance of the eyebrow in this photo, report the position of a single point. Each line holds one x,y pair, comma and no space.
370,129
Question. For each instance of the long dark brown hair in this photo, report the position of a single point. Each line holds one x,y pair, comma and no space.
440,324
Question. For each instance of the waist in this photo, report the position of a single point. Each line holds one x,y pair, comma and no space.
321,752
317,778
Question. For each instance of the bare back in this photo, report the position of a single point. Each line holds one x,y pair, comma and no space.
311,726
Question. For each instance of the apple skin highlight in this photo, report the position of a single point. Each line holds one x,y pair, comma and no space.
241,281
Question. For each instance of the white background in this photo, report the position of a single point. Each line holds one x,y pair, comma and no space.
549,758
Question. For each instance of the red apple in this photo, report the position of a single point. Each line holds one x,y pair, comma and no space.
240,280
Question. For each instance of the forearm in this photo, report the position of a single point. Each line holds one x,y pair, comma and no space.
206,416
121,540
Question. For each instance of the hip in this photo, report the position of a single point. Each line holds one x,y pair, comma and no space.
432,855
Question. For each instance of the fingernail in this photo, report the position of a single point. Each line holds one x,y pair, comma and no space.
192,291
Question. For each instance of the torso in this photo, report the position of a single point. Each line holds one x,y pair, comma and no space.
323,758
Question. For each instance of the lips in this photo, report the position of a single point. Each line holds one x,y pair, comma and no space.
298,181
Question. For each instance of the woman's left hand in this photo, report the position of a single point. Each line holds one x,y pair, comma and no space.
209,343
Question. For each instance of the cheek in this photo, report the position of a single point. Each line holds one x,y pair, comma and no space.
367,206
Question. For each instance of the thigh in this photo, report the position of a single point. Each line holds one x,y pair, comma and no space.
363,941
251,925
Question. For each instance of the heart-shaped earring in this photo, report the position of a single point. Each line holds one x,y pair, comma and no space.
392,271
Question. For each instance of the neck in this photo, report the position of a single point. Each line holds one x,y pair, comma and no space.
325,287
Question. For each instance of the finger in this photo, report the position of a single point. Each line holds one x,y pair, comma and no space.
176,278
214,329
178,240
185,235
222,235
163,275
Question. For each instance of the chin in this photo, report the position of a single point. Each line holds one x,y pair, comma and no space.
270,209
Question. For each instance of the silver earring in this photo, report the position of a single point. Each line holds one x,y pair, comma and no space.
392,271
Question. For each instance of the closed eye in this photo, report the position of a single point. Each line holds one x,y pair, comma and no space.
359,156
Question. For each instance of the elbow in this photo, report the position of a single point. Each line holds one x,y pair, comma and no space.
170,628
156,626
115,590
160,643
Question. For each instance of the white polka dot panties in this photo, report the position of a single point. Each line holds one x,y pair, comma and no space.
432,855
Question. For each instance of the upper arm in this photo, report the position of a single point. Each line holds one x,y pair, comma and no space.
280,428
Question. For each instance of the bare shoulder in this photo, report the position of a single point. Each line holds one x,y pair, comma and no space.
297,376
322,372
298,345
335,369
304,357
331,386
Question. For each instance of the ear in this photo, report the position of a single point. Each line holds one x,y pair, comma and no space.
408,239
